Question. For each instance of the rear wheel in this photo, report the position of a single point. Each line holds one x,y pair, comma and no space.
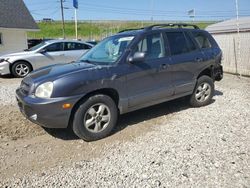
21,69
203,92
95,118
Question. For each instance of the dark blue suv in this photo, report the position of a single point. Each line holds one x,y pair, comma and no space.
133,69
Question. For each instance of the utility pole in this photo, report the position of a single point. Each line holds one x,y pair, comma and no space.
63,24
238,31
152,10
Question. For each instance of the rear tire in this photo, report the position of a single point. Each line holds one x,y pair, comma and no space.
95,118
21,69
203,92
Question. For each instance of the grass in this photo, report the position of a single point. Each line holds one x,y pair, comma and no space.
90,30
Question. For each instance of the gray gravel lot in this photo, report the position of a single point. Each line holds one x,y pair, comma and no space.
191,147
7,90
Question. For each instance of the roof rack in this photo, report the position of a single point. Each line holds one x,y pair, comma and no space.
129,30
179,25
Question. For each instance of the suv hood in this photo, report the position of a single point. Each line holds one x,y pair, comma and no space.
59,70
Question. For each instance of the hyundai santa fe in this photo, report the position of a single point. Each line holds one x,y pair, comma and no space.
133,69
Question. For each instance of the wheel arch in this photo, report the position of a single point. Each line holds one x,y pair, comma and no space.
207,71
105,91
21,60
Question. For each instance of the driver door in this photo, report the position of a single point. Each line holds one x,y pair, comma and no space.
150,81
53,54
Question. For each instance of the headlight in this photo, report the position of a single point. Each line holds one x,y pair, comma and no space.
44,90
3,59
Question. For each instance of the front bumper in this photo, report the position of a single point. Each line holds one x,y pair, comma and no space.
4,68
46,112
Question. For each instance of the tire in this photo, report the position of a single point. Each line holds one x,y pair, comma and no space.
203,92
95,118
21,69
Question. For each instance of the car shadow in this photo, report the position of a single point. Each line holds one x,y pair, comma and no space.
8,76
218,93
133,118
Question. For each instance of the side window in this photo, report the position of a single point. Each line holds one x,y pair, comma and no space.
177,43
55,47
202,40
191,44
75,46
152,45
86,47
1,40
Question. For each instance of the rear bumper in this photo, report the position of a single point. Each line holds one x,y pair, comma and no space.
46,112
218,73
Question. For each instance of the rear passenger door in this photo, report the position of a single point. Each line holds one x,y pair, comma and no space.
185,56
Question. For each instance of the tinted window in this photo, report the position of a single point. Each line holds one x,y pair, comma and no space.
202,40
1,38
75,46
190,43
55,47
152,45
177,43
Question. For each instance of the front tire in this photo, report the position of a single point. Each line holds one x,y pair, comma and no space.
203,92
21,69
95,118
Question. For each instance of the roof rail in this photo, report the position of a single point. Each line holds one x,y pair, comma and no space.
129,30
179,25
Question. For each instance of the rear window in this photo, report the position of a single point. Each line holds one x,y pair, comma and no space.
202,39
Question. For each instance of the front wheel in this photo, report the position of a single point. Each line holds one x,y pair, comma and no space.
21,69
203,92
95,118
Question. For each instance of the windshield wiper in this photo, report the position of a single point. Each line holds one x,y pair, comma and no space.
87,61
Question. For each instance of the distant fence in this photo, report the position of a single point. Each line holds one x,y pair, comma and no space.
228,42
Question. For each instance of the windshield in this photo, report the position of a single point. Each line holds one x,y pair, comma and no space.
37,46
108,51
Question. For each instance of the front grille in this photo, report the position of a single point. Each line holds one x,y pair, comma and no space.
26,86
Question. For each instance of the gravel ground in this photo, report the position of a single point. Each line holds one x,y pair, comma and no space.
7,90
187,147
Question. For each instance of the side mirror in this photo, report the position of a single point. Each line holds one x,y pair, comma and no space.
137,57
43,51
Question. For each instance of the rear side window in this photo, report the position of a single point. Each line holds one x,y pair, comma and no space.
152,45
202,40
190,43
75,46
177,43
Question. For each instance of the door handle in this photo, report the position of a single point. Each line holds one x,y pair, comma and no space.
198,59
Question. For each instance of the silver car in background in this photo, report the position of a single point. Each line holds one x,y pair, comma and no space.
44,54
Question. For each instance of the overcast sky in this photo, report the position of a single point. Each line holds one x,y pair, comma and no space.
139,9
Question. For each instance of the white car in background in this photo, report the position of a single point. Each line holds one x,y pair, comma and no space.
46,53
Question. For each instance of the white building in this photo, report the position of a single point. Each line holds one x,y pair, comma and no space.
236,48
15,21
